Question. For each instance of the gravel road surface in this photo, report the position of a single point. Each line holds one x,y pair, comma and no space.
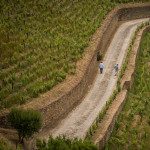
79,120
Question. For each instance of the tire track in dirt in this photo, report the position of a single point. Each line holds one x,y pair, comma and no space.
79,120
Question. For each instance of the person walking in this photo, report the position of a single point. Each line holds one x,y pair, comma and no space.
116,69
101,67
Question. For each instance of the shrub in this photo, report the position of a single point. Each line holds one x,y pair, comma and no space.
59,79
99,56
119,88
26,122
91,131
62,143
35,93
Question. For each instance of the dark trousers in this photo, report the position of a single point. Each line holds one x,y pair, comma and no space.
101,70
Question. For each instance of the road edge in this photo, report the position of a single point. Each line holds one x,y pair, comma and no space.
105,127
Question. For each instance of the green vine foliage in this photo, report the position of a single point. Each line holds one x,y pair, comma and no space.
132,128
41,41
62,143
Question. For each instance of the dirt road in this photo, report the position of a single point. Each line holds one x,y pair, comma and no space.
78,122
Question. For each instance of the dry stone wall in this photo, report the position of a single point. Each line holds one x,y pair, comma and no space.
101,38
130,13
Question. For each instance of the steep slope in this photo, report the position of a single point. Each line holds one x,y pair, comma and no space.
78,122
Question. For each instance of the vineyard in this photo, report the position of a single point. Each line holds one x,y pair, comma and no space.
41,41
132,128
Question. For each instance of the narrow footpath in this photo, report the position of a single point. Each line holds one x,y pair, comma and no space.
79,120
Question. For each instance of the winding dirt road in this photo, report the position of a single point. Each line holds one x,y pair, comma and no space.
78,122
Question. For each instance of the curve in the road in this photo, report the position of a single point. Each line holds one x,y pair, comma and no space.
78,122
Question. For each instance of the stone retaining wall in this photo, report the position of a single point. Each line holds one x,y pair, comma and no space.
56,103
105,128
101,38
128,13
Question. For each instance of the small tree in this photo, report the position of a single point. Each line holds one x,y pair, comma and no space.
26,122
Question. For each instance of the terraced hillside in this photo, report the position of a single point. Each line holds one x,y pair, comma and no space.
41,41
132,128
